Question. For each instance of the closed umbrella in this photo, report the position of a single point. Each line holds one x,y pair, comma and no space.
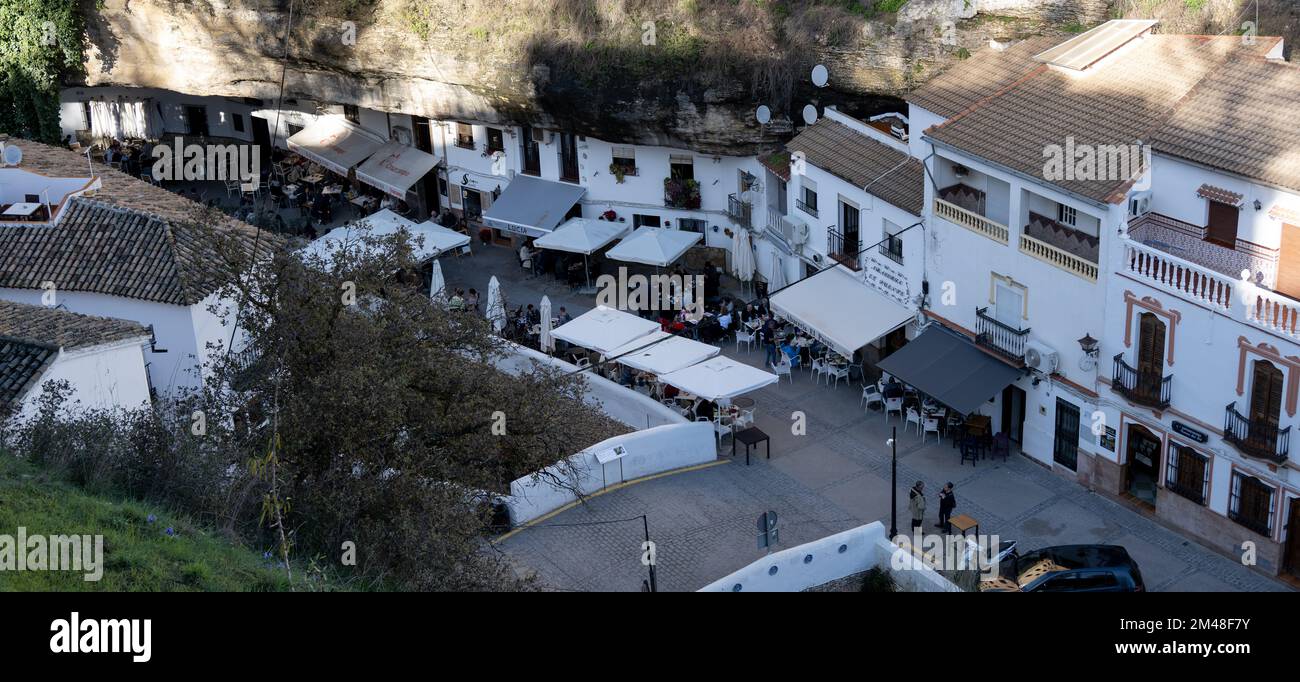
742,258
777,280
437,285
496,307
545,339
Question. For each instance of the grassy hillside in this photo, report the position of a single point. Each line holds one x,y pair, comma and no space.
139,554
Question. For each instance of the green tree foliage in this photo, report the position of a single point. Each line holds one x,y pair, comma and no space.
42,42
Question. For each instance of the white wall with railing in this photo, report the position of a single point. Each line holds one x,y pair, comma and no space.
833,557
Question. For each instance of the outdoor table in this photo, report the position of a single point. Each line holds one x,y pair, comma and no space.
964,523
332,189
313,178
751,437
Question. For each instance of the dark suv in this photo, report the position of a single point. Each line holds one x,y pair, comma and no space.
1071,568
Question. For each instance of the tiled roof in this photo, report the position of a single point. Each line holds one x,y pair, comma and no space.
982,75
21,364
132,239
1120,102
1242,119
863,162
63,329
1219,194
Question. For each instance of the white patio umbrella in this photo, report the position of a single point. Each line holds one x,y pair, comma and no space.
437,285
545,340
742,258
777,281
496,308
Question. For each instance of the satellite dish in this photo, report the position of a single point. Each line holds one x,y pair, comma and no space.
820,76
809,114
12,155
763,114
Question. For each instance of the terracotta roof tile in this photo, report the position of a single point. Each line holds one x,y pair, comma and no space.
132,239
1219,194
21,364
982,75
63,329
1120,102
863,162
1241,119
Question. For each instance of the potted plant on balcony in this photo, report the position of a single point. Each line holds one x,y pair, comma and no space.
683,193
619,172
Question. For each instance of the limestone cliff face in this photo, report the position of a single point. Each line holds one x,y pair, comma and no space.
679,72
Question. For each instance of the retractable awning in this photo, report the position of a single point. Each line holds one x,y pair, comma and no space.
395,167
668,353
433,239
604,329
654,246
582,235
949,368
840,310
335,143
718,378
532,206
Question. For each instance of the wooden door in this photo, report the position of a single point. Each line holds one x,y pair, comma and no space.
1265,404
1151,352
1288,262
1222,225
1291,559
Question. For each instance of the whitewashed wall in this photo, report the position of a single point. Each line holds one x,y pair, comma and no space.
833,557
650,451
100,377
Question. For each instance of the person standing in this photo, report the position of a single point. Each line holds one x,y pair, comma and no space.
916,503
947,502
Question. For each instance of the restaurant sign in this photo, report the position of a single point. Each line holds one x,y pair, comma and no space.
888,280
1189,432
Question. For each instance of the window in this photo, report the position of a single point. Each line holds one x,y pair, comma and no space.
681,167
1221,228
1065,448
892,246
86,115
639,220
1067,215
442,186
464,136
496,141
624,158
746,181
808,202
352,113
1187,473
237,120
1251,503
692,225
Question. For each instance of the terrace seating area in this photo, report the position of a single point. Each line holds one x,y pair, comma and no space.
1063,237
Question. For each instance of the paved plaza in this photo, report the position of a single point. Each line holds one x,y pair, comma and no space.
832,477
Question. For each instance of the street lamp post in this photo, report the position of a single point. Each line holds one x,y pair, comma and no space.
893,484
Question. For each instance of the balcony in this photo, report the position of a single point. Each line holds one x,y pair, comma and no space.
1254,438
780,228
1142,388
681,193
802,206
1061,245
1003,338
845,254
740,211
964,206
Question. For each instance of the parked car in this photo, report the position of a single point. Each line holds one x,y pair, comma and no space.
1069,568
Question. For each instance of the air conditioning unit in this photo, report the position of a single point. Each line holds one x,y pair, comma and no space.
1139,204
800,234
1040,357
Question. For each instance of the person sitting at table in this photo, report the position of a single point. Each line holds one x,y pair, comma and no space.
525,258
724,320
626,377
533,315
457,303
471,300
564,316
706,409
790,351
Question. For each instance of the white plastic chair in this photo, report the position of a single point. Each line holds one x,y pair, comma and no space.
745,337
819,366
913,417
871,396
893,405
839,372
782,367
930,425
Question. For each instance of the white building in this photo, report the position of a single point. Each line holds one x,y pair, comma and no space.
122,248
1142,252
100,359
